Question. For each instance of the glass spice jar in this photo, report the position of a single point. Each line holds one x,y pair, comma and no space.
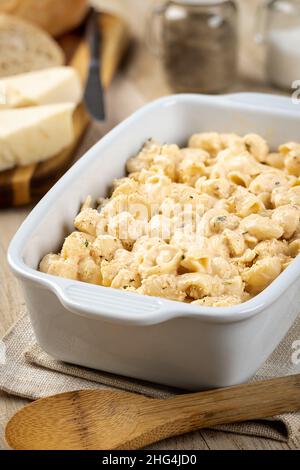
197,40
278,29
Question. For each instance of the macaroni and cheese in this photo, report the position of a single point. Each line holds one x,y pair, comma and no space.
212,224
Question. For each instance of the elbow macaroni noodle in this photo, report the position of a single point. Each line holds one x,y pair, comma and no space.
212,224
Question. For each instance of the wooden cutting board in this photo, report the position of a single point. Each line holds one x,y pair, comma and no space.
25,185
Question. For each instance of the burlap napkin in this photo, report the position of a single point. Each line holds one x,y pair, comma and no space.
31,373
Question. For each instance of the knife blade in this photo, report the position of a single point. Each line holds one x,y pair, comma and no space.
93,95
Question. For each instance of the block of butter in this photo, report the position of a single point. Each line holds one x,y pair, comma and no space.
49,86
34,134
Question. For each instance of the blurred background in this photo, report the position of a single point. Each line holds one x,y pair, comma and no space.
254,19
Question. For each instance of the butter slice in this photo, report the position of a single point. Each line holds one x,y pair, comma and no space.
49,86
34,134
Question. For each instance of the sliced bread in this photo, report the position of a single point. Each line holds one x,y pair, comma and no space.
25,47
54,16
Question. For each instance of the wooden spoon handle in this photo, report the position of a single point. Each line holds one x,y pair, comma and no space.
229,405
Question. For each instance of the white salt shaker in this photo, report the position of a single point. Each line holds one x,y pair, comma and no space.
279,30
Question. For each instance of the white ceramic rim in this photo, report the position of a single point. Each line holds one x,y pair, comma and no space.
168,309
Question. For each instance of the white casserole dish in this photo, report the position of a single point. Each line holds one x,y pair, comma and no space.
148,338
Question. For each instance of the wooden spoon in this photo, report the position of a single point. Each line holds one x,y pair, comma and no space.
108,420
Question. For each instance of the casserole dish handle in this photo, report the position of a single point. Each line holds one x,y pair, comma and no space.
112,304
267,101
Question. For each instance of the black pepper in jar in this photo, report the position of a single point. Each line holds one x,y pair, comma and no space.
199,45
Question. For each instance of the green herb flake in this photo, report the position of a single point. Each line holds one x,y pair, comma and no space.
86,243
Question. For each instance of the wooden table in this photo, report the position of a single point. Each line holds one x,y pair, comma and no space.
141,80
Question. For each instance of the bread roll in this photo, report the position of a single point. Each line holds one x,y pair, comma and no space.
25,47
54,16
